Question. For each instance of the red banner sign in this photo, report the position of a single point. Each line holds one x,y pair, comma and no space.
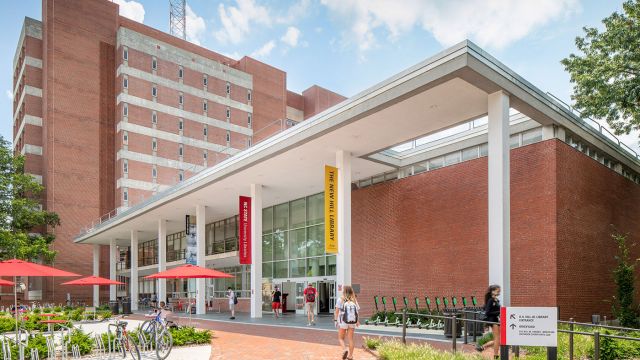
244,230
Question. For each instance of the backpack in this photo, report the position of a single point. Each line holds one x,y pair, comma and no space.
349,312
311,296
235,299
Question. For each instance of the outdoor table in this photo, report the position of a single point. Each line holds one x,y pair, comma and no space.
47,315
51,322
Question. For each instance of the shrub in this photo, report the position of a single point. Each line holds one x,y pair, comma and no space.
7,324
46,310
3,313
76,315
189,335
104,314
57,309
624,278
83,340
371,343
38,342
36,311
391,350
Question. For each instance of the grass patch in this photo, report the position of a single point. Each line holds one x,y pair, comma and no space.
394,350
372,343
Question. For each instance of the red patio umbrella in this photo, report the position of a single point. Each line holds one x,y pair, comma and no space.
17,267
189,272
92,280
6,283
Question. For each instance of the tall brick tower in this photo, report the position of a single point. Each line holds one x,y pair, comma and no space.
109,112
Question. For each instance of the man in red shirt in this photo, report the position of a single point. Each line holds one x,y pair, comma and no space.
309,302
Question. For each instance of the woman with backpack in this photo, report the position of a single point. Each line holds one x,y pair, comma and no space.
345,318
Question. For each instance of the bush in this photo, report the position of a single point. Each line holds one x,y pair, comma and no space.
36,311
83,340
47,310
38,342
189,335
104,314
76,315
57,309
7,324
371,343
392,350
624,278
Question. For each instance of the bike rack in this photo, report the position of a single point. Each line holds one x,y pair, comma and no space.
6,348
100,350
75,351
34,354
51,347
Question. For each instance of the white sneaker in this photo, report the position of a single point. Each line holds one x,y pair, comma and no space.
308,324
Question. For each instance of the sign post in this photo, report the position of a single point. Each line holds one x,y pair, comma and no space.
529,326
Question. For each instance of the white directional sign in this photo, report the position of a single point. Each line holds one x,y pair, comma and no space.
530,326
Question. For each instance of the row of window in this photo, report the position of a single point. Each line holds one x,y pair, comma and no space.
205,79
154,115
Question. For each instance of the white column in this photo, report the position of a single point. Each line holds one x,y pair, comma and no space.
343,260
133,282
201,220
113,260
256,250
499,195
96,272
548,132
162,258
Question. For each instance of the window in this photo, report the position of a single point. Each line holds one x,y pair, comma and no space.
125,137
154,91
154,172
180,150
204,105
180,72
181,124
154,64
205,130
228,88
154,118
452,158
181,175
436,163
125,82
204,154
228,113
125,195
532,136
125,53
125,166
470,153
228,136
248,95
204,80
154,144
249,120
125,109
180,99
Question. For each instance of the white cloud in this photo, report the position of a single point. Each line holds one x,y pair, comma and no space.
237,20
131,9
9,94
265,50
291,37
496,23
296,12
195,26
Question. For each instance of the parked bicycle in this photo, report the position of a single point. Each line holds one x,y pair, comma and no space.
123,342
156,331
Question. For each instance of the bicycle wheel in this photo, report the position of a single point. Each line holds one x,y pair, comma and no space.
130,347
164,344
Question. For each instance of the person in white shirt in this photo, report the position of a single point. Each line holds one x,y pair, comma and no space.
346,319
232,302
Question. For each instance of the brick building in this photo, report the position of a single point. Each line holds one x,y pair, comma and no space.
109,112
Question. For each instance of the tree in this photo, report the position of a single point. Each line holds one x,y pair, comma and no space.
25,229
624,277
606,73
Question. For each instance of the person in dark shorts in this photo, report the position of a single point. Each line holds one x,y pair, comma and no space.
492,313
276,302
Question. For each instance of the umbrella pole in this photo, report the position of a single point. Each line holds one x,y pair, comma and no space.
15,304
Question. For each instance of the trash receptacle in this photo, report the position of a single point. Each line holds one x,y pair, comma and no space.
126,307
448,327
115,307
472,327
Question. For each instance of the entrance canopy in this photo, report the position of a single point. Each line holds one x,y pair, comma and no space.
444,91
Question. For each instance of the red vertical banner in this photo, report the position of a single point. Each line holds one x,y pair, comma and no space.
244,230
503,325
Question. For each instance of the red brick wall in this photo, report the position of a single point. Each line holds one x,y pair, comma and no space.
317,99
426,235
591,198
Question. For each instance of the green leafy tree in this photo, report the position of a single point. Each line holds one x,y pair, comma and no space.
25,229
624,278
606,72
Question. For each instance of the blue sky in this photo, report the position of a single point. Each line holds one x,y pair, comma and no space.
349,45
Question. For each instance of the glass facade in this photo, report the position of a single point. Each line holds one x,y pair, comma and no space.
240,282
222,236
293,240
147,253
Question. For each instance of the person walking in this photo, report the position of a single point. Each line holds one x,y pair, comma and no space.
276,301
232,302
309,303
492,314
345,318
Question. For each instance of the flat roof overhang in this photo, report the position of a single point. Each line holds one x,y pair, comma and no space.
442,91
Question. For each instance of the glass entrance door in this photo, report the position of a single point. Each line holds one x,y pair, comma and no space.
300,297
